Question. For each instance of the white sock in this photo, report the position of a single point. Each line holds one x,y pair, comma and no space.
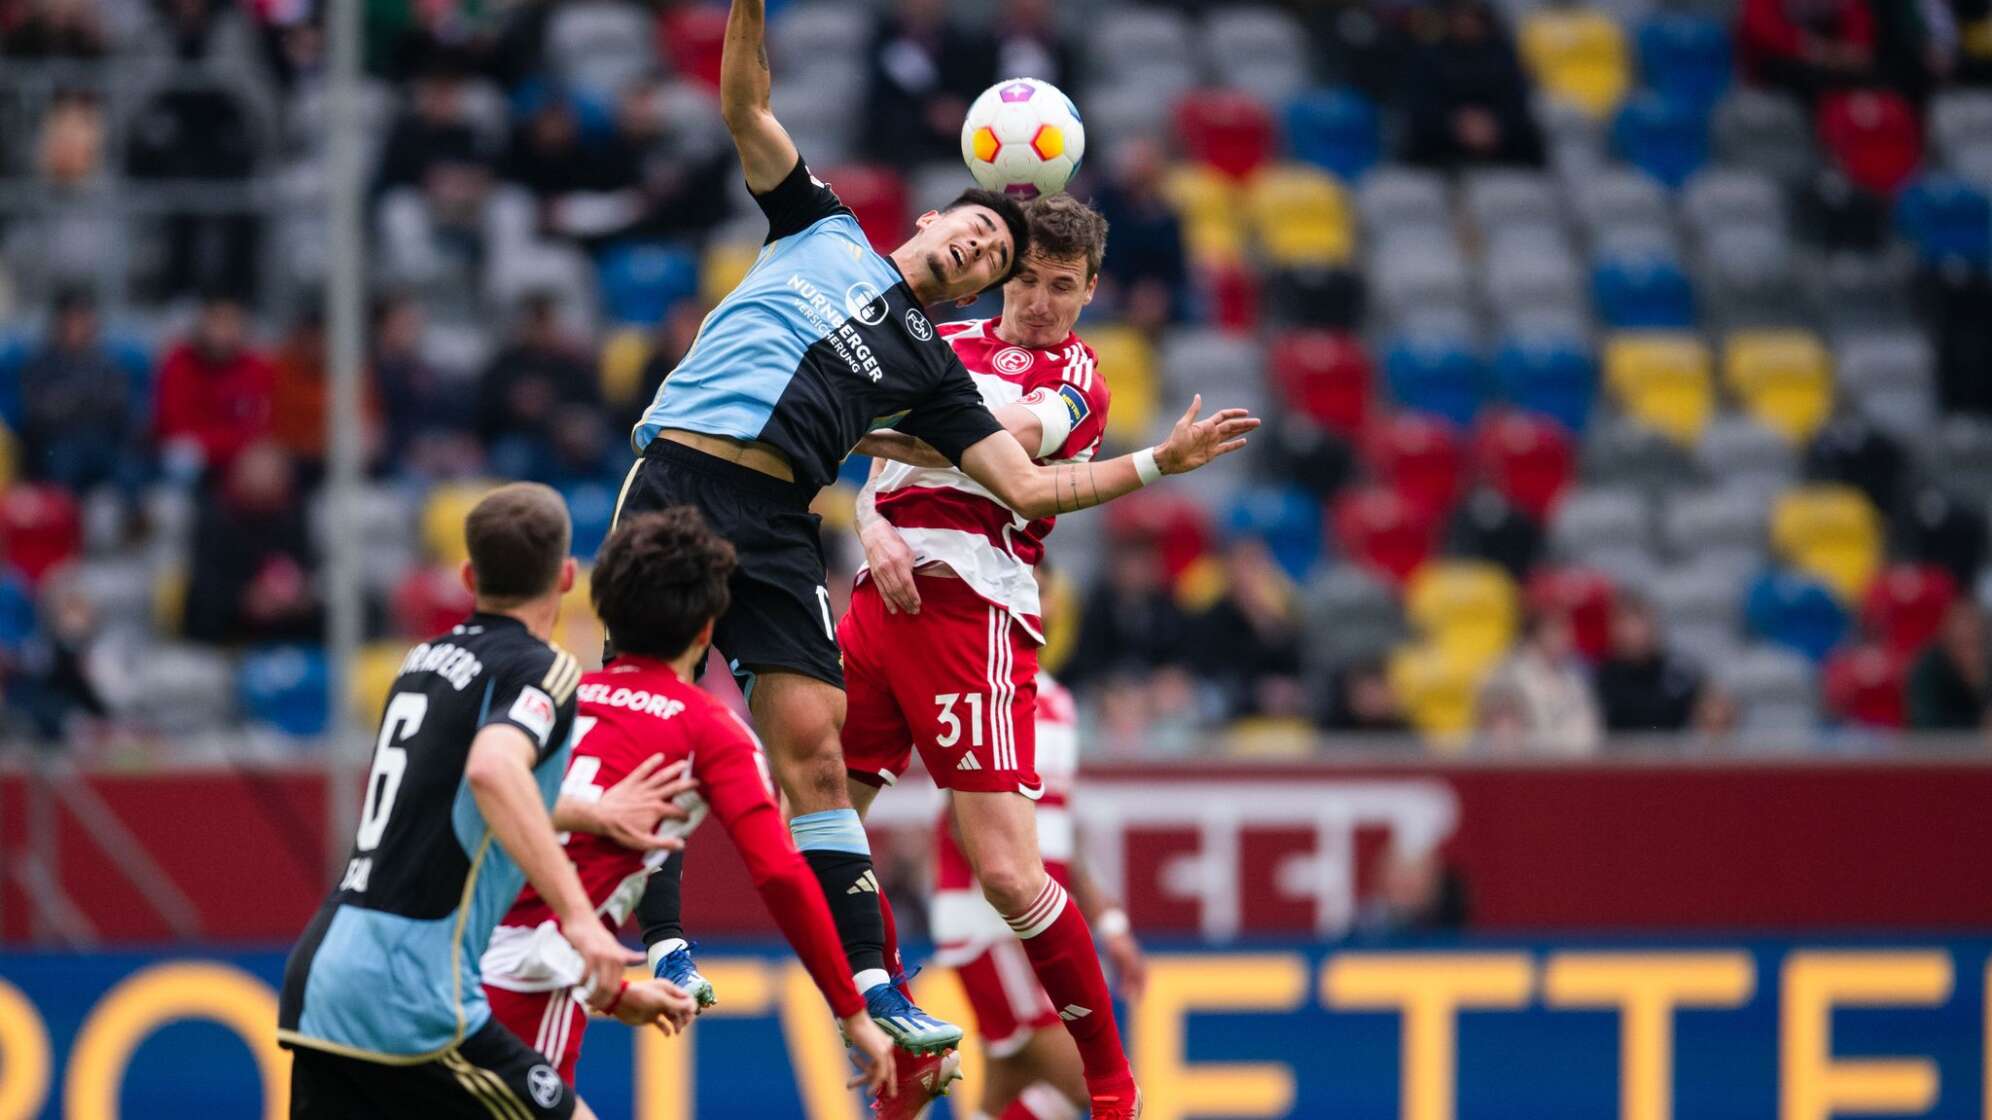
1047,1103
871,978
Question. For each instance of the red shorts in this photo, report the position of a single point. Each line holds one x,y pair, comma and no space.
1009,1003
549,1022
958,681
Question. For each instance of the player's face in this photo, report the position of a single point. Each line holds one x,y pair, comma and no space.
963,251
1044,298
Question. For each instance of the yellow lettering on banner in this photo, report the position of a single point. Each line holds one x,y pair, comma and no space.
1427,990
1171,1087
939,994
24,1056
1812,1085
1646,988
816,1052
153,997
665,1086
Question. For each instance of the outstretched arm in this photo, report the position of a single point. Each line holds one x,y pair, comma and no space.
887,443
767,154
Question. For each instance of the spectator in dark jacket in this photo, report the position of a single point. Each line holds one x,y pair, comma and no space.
1807,46
925,71
527,384
1947,685
1466,99
1131,623
215,392
436,131
427,412
1248,642
252,557
1145,275
1642,687
80,427
586,185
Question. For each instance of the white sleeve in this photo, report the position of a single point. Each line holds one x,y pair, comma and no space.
1054,418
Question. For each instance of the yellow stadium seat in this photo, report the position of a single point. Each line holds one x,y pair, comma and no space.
1059,601
1127,361
1831,531
837,505
442,520
1663,379
1783,378
1976,38
374,670
169,598
725,265
1578,55
1270,737
623,358
9,456
1464,608
1207,203
579,632
1300,215
1438,693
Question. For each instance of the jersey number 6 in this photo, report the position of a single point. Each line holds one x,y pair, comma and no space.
404,718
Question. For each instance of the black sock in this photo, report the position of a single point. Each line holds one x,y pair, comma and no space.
661,909
851,889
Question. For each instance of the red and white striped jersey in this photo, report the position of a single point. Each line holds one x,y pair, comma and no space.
946,516
959,917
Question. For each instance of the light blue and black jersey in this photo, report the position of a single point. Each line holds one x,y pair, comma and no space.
387,970
821,342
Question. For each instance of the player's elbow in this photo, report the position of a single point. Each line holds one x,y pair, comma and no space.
745,113
1034,500
488,766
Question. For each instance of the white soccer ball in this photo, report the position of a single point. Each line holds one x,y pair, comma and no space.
1023,137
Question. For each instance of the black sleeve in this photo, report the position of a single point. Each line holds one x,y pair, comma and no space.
798,202
951,418
534,692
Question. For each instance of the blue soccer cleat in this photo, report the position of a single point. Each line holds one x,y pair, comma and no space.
910,1028
678,967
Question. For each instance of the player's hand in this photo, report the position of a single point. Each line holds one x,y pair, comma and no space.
874,1056
1193,442
1130,965
630,810
891,565
658,1003
603,958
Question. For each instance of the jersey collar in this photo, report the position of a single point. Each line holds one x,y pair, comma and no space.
492,620
994,330
639,661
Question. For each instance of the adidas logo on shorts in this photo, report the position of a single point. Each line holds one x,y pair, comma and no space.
968,763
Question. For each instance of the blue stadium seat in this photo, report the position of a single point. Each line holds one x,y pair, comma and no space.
1686,58
17,610
641,281
1665,138
1552,374
13,355
1287,519
288,688
1436,373
592,506
1336,129
1642,291
1946,217
1797,612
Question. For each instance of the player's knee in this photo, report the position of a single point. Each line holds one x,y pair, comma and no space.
1010,885
814,776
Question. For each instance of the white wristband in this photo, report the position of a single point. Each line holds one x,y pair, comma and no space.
1112,923
1145,467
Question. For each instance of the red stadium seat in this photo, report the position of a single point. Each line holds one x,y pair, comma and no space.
1865,685
1173,523
1227,129
1233,291
1419,456
430,599
1874,137
1906,604
877,195
692,36
1378,529
1327,375
1528,458
1586,595
40,527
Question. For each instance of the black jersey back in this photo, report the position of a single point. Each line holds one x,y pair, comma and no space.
821,342
388,968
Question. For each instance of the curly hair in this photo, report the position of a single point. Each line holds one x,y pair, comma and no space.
659,578
1062,227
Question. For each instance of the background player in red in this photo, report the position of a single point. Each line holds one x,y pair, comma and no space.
1033,1069
659,582
940,642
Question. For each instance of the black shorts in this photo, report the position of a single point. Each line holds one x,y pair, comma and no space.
490,1074
780,617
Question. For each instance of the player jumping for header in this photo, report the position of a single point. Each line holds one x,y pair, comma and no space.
823,341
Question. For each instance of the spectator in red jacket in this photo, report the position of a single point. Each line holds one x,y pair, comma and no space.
1807,46
215,392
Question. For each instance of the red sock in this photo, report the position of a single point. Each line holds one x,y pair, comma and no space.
1060,946
893,964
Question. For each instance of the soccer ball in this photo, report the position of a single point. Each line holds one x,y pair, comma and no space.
1023,137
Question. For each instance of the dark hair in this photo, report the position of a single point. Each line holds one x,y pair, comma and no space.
1012,213
659,578
1063,227
517,536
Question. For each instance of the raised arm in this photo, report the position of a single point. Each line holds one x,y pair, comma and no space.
767,154
899,447
999,463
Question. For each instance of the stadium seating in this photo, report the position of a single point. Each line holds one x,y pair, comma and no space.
1665,138
1783,378
1286,518
1349,614
442,520
1585,595
1487,526
1465,609
1127,361
1863,685
1213,220
1699,610
1874,136
1662,379
1299,216
1796,612
1890,376
1325,375
1528,458
1438,691
1905,604
1228,130
1548,372
1775,693
1943,217
641,283
40,527
1766,132
288,688
1831,532
1438,374
1642,291
1578,55
877,197
1420,456
1381,530
1335,129
1685,58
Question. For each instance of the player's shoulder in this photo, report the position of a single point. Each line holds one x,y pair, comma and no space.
1074,363
517,657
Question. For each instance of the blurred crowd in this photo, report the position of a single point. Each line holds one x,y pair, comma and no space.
1470,258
